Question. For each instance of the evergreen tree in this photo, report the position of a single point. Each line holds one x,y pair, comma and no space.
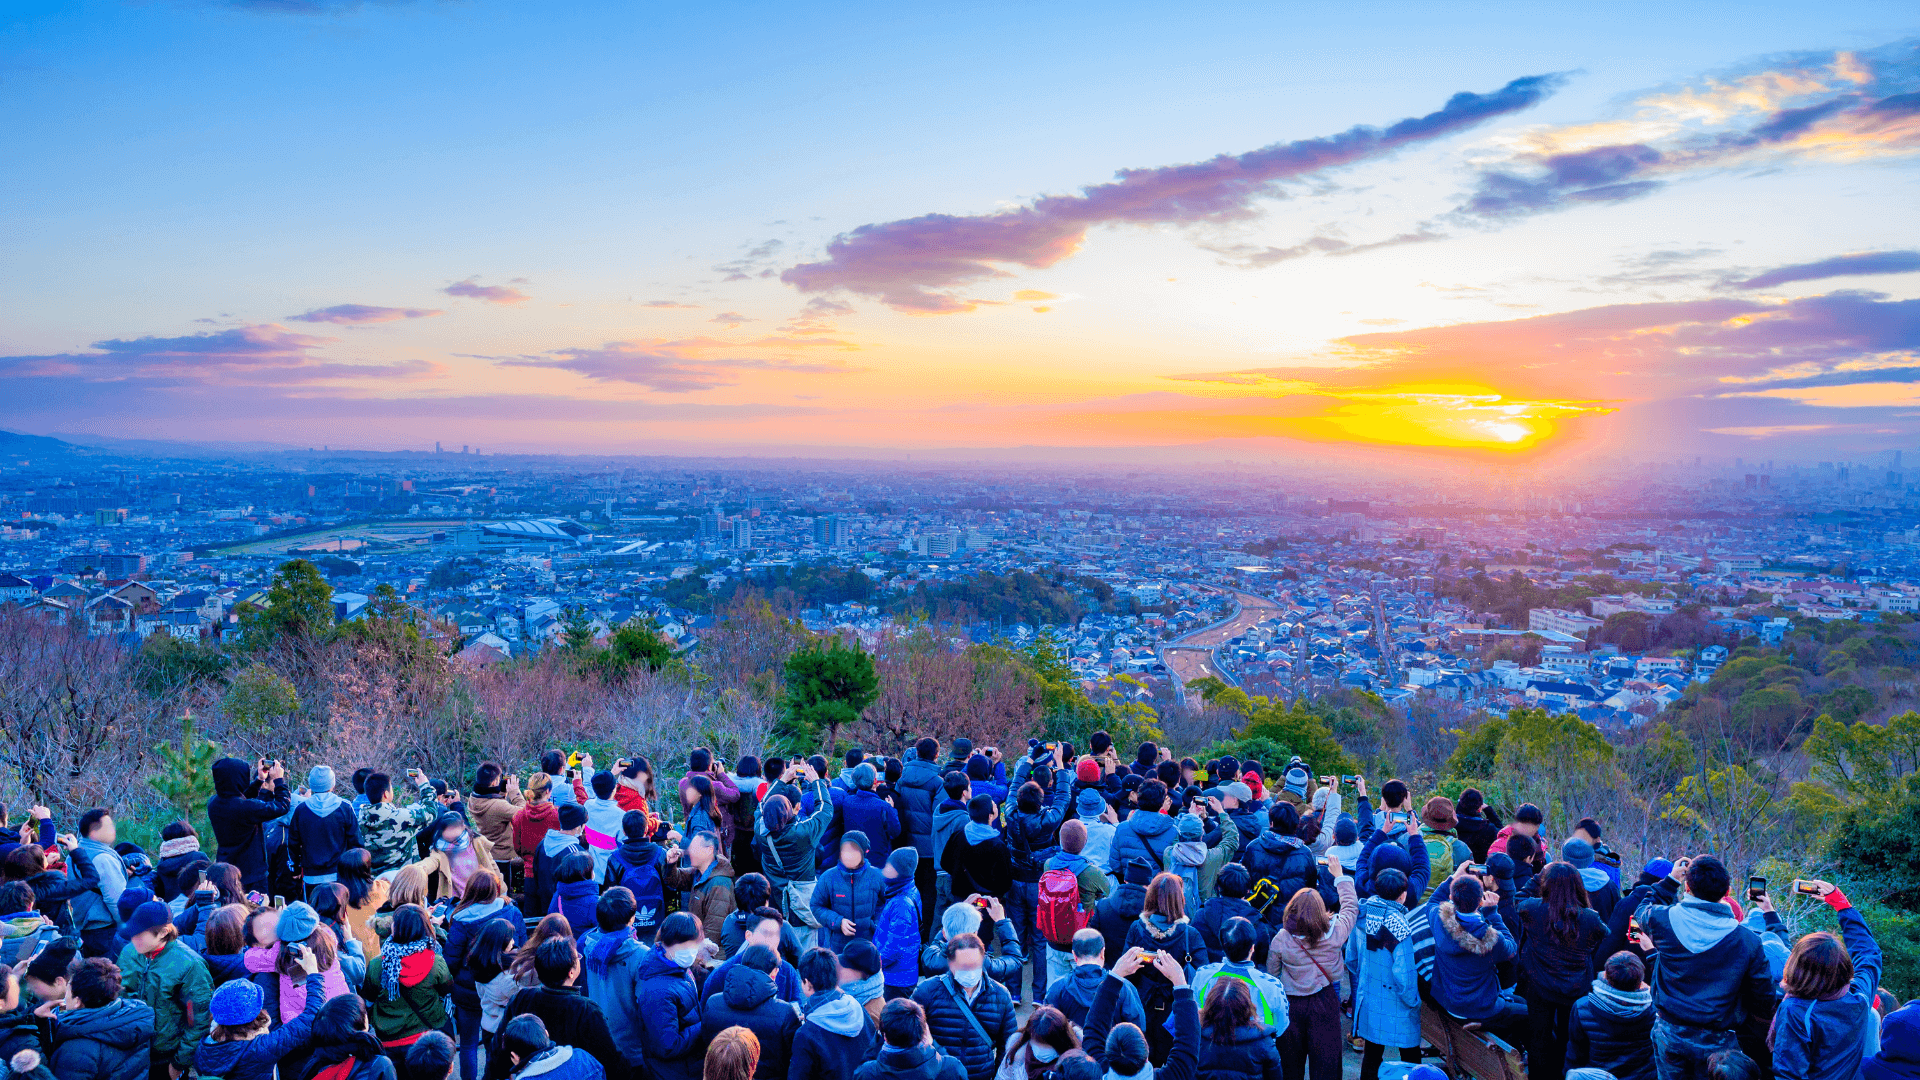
828,685
185,778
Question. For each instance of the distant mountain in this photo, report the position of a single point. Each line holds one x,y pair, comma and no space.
12,442
171,448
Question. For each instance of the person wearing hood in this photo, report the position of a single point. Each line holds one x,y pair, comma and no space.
527,1052
483,901
1400,846
1826,1021
1279,857
1033,837
978,861
561,841
574,891
706,882
23,930
1710,971
786,841
1163,927
95,1034
1899,1055
387,827
985,779
1147,833
1470,942
322,828
1612,1025
244,799
969,1014
748,1001
407,982
836,1032
1072,993
763,926
604,814
1090,887
1004,961
1122,1050
908,1053
670,1001
1603,895
1346,845
611,956
1230,903
949,819
921,791
537,816
243,1043
1116,915
863,810
570,1017
493,802
1386,989
343,1047
1198,864
641,866
1478,825
847,896
700,762
1306,952
458,853
1559,934
896,933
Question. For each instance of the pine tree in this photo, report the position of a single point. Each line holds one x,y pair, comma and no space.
185,778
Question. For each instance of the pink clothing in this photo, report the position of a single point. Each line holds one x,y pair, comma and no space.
1307,969
293,994
461,865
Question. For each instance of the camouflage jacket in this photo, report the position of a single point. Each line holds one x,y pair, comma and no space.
388,829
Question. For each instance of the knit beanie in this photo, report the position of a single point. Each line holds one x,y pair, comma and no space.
1087,771
1577,853
857,839
1189,827
130,900
1296,781
1658,869
905,862
864,776
1138,872
1345,832
320,778
237,1003
979,768
1390,856
297,922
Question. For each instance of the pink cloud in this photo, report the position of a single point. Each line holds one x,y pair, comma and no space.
504,295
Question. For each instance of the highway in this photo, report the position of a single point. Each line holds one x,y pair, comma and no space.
1190,656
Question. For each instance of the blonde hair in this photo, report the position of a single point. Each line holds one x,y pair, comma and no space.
409,887
1306,916
734,1055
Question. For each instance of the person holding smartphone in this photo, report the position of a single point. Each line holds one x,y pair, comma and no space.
1711,972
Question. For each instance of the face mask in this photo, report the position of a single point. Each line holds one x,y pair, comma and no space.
968,977
684,957
1043,1053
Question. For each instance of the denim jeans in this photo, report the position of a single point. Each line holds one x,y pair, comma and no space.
1023,909
1680,1052
467,1022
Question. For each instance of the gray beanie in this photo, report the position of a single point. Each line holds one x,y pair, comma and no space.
320,778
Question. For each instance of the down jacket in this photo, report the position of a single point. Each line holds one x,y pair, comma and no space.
107,1043
854,895
942,999
670,1019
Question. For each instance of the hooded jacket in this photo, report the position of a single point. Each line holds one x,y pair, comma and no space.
1478,833
1710,970
1184,1058
493,815
322,828
575,900
1467,952
1825,1040
1214,915
978,863
864,810
1114,918
787,857
531,824
1899,1056
1073,996
1250,1053
1143,836
897,932
537,900
561,1063
1176,937
111,1042
854,895
415,1008
1386,989
669,1019
911,1063
1033,836
940,997
464,927
836,1034
786,980
709,894
256,1058
178,987
239,810
603,831
948,821
571,1020
920,788
748,1001
1612,1030
1388,849
389,830
610,966
1285,861
1005,958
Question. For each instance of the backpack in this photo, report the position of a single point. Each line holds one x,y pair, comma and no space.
1439,857
1059,914
1190,878
649,892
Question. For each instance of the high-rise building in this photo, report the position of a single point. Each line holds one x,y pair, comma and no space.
742,533
937,543
711,526
832,531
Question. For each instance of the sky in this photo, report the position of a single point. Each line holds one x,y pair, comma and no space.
1649,229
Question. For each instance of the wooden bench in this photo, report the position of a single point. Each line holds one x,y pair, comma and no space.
1470,1051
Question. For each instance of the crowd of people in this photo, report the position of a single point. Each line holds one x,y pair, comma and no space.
951,916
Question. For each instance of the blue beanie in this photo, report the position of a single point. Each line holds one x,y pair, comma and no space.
1577,853
1658,868
1390,856
979,768
237,1003
1345,832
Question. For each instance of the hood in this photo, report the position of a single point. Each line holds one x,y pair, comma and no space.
480,912
1068,861
1159,928
1086,978
602,950
949,817
835,1011
541,813
1900,1036
977,833
577,890
1699,925
552,1059
22,925
639,852
747,989
1621,1004
657,963
1595,879
1188,852
415,968
231,777
557,843
1348,854
122,1024
323,803
906,1059
1150,824
1470,932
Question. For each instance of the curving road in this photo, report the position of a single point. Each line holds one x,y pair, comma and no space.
1190,656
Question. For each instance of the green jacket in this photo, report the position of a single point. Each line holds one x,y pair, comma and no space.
179,988
388,830
1218,856
416,1008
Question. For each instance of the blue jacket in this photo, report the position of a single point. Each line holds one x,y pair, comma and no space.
612,972
255,1059
1416,864
1899,1056
1708,967
920,789
1386,993
563,1063
911,1063
1145,836
835,1036
854,895
1286,862
113,1043
669,1019
1467,952
939,997
897,935
1073,996
1826,1040
786,981
466,925
575,900
867,812
1613,1030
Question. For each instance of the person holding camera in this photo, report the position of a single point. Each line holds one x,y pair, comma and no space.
1709,971
786,843
244,799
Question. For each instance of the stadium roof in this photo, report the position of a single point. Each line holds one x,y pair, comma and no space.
550,530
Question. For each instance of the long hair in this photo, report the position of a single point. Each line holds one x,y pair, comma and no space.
409,887
356,873
700,788
1047,1026
1167,896
734,1055
1564,894
1229,1007
647,789
552,926
1819,967
325,949
1306,916
226,931
483,887
491,952
226,880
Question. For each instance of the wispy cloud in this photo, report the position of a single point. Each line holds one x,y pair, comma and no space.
757,262
1860,263
668,304
915,264
1259,257
265,354
731,319
504,295
681,366
362,314
818,316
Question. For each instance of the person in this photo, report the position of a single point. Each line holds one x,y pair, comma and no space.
950,817
1559,932
1144,835
537,815
562,842
179,849
847,896
1526,822
836,1033
1037,1047
1612,1026
299,924
1073,993
971,916
343,1046
387,828
1067,893
1033,839
1709,970
1477,826
569,1016
641,866
921,789
1306,953
978,861
494,801
1603,892
896,933
1162,928
432,1057
713,798
786,844
1239,939
243,1043
1198,864
53,891
527,1051
734,1054
406,982
1386,989
157,969
1121,1049
96,911
706,881
604,818
1234,1045
908,1051
23,930
1470,941
483,902
322,828
1825,1018
860,975
748,1001
865,811
574,890
1281,859
457,854
1116,915
482,989
1899,1055
746,777
92,1032
970,1014
670,1001
244,800
763,926
1228,904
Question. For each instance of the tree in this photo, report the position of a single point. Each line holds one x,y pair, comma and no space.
166,664
257,697
299,605
828,686
185,778
1863,765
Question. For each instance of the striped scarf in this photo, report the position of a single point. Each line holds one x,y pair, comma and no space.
391,956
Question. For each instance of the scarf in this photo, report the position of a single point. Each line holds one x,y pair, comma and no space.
897,886
866,989
179,846
327,1059
980,834
602,952
453,846
1377,914
390,957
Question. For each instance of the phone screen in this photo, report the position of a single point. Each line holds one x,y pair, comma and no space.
1757,885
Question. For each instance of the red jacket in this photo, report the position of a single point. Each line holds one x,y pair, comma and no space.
530,825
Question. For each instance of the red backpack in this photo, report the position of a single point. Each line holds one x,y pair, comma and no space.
1059,915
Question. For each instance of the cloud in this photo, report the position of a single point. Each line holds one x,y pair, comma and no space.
362,314
668,304
915,264
731,319
1257,258
679,366
1865,262
503,295
757,262
819,316
265,354
1828,106
1034,296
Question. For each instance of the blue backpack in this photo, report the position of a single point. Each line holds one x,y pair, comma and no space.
643,881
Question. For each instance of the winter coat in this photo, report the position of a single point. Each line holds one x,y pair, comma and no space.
1214,915
670,1019
709,894
748,1002
1708,967
1612,1030
576,900
611,971
1307,969
376,1067
1005,958
920,787
359,918
536,900
1478,833
942,997
257,1058
561,1063
726,793
1286,862
493,816
22,937
1552,971
734,935
531,823
1205,862
1073,996
390,830
1179,939
897,933
1899,1056
1032,839
981,866
1467,952
1414,859
1386,989
786,980
177,986
1270,1005
867,812
112,1042
1114,918
464,927
438,866
415,1007
1825,1040
949,818
836,1035
322,828
853,895
1184,1059
911,1063
1144,836
1249,1054
239,810
571,1020
53,892
788,857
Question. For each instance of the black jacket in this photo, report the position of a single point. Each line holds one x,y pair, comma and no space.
572,1020
1031,840
985,868
1607,1037
1214,915
1478,833
822,1053
1115,915
1184,1060
1705,985
1289,865
749,1002
240,809
1560,973
941,997
911,1063
318,842
1252,1053
51,892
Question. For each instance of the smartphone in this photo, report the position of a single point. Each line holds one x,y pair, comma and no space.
1478,869
1349,780
1322,860
256,898
279,902
1756,886
293,949
1806,888
1633,924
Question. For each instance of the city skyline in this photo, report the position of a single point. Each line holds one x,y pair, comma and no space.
609,229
